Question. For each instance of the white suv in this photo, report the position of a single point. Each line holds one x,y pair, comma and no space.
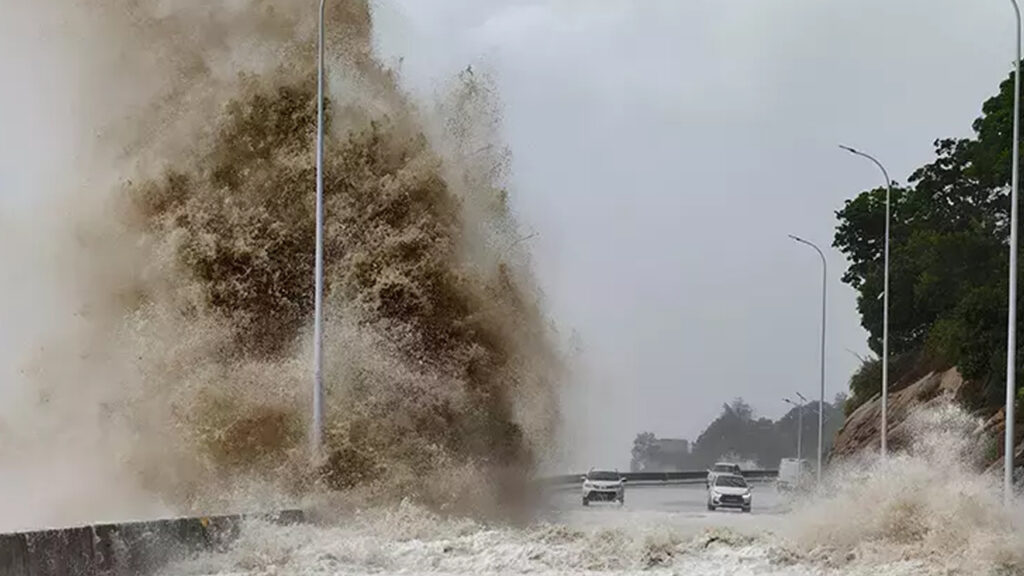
729,491
604,486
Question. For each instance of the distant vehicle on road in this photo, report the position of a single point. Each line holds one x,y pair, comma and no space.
793,474
721,468
604,486
729,491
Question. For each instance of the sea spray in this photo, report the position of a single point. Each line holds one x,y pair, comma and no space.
181,377
924,511
927,503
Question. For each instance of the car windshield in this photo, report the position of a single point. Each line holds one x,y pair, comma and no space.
604,476
731,482
725,467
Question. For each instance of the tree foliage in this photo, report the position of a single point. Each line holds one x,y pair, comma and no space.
642,446
948,260
738,433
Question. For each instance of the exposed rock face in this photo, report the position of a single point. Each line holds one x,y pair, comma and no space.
995,429
862,428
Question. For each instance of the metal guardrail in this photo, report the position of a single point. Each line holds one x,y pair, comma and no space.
659,477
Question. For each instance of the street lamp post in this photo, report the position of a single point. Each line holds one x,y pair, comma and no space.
317,436
1011,324
799,426
804,404
824,291
885,296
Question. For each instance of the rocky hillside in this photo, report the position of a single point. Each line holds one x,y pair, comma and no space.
861,430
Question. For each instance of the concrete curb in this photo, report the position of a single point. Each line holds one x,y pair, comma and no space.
122,549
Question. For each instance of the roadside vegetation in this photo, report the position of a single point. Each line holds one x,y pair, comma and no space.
738,435
948,263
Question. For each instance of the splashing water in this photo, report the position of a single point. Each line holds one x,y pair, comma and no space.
928,503
180,382
925,511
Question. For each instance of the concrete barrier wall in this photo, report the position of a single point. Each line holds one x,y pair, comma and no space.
121,549
660,477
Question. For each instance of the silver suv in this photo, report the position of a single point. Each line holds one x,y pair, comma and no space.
604,486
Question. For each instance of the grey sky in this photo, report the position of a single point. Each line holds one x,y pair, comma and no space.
35,109
662,151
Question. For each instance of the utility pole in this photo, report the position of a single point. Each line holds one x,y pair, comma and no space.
885,296
1011,324
824,292
799,427
317,436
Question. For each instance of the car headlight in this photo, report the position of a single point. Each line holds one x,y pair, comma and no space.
746,496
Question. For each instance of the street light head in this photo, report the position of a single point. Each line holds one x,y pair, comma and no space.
849,149
804,241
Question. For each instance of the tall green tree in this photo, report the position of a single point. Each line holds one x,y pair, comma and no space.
948,258
738,432
642,446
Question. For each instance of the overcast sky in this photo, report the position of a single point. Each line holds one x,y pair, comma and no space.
663,150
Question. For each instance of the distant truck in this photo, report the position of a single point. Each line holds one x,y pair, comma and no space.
793,474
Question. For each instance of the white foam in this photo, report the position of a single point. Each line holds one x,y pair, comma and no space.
925,511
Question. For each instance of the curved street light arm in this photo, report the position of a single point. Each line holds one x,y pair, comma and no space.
812,245
888,181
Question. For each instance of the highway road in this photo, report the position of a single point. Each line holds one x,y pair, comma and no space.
663,529
688,499
679,505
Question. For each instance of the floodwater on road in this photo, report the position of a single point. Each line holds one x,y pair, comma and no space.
680,505
677,498
660,530
926,511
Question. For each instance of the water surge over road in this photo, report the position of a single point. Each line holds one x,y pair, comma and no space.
924,511
175,379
